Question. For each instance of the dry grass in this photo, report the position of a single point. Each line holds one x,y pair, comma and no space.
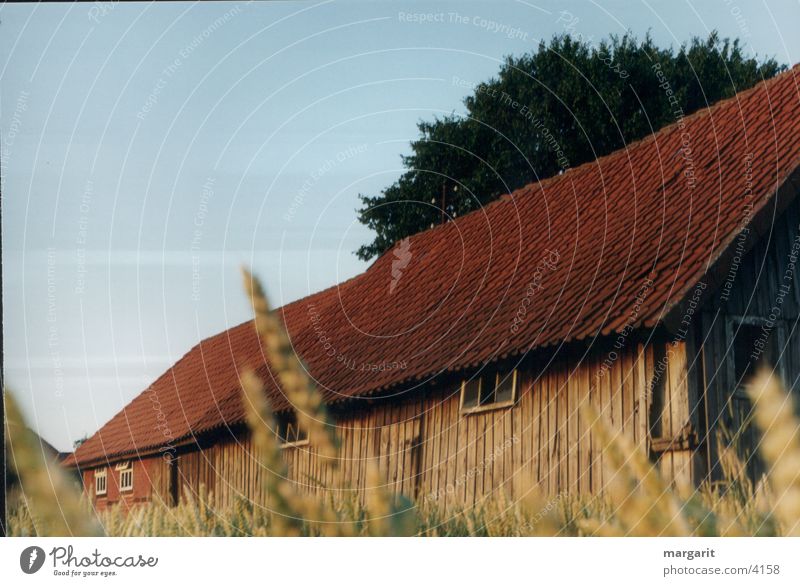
639,500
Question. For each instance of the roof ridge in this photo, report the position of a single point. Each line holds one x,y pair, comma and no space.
505,198
547,181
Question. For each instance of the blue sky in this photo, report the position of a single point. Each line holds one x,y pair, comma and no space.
150,150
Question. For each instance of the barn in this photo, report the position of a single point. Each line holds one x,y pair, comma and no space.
651,281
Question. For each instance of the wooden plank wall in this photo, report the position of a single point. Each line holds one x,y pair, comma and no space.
429,451
753,291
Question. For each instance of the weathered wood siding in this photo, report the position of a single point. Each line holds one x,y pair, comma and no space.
429,451
752,288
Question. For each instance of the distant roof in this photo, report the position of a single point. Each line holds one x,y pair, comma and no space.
566,257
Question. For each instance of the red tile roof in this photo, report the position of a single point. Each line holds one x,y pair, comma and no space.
663,208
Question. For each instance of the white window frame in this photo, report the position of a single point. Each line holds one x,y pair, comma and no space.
491,406
125,476
101,488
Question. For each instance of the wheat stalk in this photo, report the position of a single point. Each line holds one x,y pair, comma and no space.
312,415
646,504
385,515
53,503
774,414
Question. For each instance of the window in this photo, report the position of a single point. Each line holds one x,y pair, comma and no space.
754,343
747,336
289,433
489,389
100,477
125,476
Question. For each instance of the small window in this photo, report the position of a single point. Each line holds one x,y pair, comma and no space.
489,389
100,481
746,336
504,389
754,345
470,393
289,433
125,476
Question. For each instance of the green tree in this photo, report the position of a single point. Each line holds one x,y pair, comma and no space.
569,102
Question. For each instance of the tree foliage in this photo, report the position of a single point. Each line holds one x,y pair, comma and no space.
567,103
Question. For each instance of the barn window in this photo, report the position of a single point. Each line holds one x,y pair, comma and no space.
754,342
489,389
289,433
125,476
100,481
